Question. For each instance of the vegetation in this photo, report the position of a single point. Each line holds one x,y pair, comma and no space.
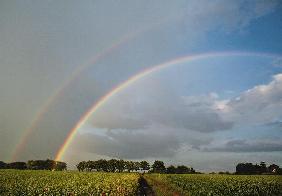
158,167
30,182
116,177
205,184
35,165
249,168
113,165
16,165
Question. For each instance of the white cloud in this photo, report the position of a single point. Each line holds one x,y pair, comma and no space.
159,116
259,105
159,105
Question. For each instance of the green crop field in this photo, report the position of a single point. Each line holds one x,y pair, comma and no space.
39,182
207,184
27,182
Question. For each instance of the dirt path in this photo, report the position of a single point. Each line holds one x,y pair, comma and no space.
144,188
163,188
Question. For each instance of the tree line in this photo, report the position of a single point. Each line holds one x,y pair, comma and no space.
250,168
114,165
35,165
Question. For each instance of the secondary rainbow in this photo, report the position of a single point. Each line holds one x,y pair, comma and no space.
38,117
140,75
43,110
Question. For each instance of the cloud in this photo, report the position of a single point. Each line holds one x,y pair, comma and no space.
275,124
258,105
133,109
242,145
129,144
181,122
154,141
41,45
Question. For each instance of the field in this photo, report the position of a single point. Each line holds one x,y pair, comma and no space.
207,184
27,182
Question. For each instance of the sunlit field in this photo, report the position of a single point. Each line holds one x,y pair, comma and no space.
26,182
15,182
214,184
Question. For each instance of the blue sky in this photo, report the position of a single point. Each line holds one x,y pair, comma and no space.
44,43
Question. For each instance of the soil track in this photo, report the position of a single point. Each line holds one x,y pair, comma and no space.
144,188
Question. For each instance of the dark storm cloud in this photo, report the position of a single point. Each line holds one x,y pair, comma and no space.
274,124
242,146
128,144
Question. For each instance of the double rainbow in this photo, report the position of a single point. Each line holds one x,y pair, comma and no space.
142,74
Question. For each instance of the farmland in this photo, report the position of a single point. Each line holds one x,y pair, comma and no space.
39,182
27,182
207,184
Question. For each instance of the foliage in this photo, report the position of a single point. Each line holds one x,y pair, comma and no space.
35,165
158,167
112,165
249,168
3,165
206,184
46,165
144,165
171,170
39,182
17,165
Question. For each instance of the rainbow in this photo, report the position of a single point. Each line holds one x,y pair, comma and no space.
142,74
44,109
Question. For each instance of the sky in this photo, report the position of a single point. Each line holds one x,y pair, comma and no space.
59,58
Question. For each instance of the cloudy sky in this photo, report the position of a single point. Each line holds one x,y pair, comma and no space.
58,58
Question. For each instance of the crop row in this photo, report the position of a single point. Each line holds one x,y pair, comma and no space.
15,182
235,185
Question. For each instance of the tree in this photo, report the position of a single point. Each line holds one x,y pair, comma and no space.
46,165
144,165
17,165
158,167
30,164
273,168
129,165
50,164
120,165
93,165
182,169
136,166
263,168
81,166
104,165
60,166
244,168
112,165
171,170
3,165
249,168
279,171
